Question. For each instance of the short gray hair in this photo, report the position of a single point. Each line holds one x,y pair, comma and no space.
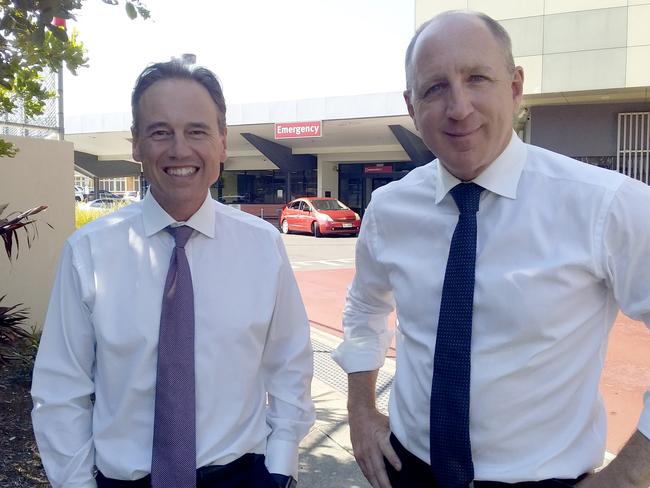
178,70
497,30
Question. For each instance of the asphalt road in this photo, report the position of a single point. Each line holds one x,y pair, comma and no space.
307,253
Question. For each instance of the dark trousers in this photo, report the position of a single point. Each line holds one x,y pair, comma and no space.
415,473
248,471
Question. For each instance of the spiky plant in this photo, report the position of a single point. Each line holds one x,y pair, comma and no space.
12,223
13,318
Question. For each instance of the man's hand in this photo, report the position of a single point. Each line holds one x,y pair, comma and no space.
370,435
369,430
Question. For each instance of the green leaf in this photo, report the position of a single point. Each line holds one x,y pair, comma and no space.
59,32
130,10
7,149
38,36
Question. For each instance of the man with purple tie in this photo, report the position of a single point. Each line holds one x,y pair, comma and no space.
181,316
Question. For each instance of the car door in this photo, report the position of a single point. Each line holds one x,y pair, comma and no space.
291,215
305,217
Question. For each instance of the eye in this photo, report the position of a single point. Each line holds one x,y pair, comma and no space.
477,78
435,89
198,133
160,134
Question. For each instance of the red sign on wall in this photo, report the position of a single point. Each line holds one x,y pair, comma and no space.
378,168
295,130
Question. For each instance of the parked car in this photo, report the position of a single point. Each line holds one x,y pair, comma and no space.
319,216
78,194
103,203
131,196
99,194
232,199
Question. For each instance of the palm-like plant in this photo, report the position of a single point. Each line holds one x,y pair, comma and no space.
12,321
13,318
13,222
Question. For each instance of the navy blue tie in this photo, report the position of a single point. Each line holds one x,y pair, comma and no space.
450,448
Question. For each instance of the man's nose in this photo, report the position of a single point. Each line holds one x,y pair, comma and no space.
459,102
181,147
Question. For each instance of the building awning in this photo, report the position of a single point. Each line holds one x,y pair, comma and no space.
89,164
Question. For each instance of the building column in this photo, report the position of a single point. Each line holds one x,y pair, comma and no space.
327,177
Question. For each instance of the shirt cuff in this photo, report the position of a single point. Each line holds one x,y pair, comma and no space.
362,353
282,457
644,421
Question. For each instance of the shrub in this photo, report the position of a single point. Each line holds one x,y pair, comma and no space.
13,318
83,214
15,340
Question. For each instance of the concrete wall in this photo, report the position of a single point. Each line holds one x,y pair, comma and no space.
327,177
579,130
568,45
41,174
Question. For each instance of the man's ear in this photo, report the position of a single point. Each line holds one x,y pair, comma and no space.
224,141
135,147
517,86
409,105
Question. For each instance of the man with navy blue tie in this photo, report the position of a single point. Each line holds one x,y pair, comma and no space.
507,265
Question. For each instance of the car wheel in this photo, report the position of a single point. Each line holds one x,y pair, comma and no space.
316,229
284,227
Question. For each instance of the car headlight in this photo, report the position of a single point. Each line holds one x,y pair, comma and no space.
324,217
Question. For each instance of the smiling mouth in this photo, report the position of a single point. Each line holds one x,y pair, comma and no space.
460,134
181,171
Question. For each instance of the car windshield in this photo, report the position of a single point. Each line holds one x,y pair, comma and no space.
328,205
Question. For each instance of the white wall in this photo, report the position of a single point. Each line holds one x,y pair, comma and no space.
41,174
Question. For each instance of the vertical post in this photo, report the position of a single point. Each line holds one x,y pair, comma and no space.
60,92
59,22
287,197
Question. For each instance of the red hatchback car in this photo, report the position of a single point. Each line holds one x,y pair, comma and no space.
319,216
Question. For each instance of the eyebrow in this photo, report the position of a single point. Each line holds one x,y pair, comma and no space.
163,125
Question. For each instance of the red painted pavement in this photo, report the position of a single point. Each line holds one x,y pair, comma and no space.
627,367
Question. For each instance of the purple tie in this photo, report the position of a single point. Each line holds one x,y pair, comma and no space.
173,462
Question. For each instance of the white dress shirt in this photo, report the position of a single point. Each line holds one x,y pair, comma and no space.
101,336
561,245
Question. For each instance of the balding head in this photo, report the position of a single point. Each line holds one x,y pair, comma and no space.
499,33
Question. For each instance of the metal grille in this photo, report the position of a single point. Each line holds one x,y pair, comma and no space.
633,143
41,126
326,370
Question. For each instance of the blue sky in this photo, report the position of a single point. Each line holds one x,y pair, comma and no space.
262,50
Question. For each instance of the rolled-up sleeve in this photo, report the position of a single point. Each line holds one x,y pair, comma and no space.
288,370
626,258
369,302
63,382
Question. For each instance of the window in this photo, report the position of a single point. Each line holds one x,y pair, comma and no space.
266,186
83,181
328,205
114,185
633,141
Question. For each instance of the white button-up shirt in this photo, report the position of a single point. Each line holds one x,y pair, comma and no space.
561,246
101,336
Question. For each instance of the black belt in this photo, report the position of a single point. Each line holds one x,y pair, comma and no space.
206,474
411,460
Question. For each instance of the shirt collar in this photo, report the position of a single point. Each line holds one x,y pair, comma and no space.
500,177
156,219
